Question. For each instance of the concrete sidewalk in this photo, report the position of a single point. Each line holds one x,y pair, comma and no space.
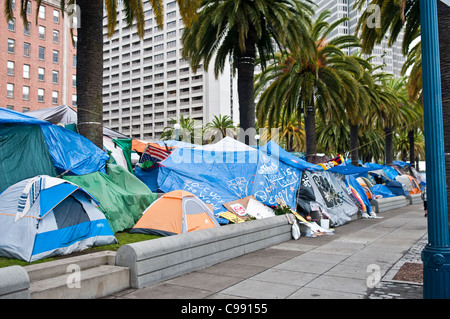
357,262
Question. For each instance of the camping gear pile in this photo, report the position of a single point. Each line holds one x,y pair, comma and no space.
59,193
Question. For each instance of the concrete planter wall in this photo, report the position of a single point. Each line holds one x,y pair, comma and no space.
390,203
414,199
14,283
160,259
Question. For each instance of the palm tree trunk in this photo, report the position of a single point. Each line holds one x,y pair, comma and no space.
246,70
444,51
310,132
412,155
90,71
389,154
354,143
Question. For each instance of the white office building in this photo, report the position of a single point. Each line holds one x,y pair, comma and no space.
146,82
390,58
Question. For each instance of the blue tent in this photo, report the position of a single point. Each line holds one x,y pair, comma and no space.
45,216
218,177
31,147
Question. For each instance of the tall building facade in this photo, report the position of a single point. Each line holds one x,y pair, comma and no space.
146,82
390,59
38,60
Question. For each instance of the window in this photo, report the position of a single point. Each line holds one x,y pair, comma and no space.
28,7
42,12
55,75
25,109
12,24
41,93
74,100
11,45
26,49
74,80
10,90
56,36
41,74
26,71
55,97
74,61
55,56
41,32
26,93
56,16
41,53
26,29
171,24
10,68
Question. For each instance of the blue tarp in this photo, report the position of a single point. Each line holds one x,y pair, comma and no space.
351,180
69,150
273,149
380,189
349,169
220,177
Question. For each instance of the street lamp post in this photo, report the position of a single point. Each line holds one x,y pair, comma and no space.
436,254
177,130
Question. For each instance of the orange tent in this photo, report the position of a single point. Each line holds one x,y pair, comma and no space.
176,212
409,183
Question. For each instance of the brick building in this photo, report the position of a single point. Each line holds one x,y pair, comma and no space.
37,61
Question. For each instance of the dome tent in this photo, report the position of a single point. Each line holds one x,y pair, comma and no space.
176,212
45,216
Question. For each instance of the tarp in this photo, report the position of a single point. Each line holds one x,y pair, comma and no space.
218,177
273,149
349,169
68,151
65,115
331,194
351,181
122,197
381,190
23,154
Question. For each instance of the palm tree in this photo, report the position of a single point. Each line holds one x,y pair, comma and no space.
90,49
322,80
395,16
223,125
404,15
359,110
187,131
242,30
290,132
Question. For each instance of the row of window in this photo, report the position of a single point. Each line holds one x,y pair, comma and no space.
41,52
42,11
42,32
10,70
26,93
40,94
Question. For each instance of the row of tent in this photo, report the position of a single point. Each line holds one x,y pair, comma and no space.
54,183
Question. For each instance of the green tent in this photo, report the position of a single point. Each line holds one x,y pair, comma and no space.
23,154
122,196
